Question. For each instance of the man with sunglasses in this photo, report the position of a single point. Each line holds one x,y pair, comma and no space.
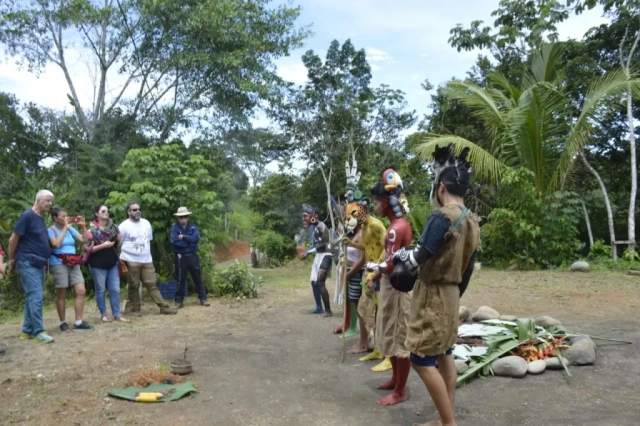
135,249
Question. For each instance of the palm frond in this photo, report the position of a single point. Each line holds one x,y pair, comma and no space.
485,166
545,66
501,82
614,83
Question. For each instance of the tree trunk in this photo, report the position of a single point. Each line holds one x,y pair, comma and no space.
607,203
626,66
327,184
587,221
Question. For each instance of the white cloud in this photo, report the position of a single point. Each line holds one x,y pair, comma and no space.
377,55
375,67
295,73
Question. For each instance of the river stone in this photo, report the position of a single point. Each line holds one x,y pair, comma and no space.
510,366
580,267
511,318
486,313
553,363
465,313
582,352
546,321
537,367
461,366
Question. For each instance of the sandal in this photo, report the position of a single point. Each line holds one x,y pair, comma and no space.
121,319
106,318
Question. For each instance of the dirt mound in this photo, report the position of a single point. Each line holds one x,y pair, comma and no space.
235,250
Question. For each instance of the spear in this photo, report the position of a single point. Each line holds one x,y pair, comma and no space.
342,219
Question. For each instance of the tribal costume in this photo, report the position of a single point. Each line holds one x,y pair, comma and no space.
442,264
393,308
321,267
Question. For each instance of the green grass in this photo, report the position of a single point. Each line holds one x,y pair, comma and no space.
293,275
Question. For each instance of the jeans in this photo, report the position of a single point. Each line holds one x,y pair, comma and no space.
188,264
33,283
107,279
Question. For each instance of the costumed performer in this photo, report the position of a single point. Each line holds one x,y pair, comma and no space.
442,262
393,309
321,267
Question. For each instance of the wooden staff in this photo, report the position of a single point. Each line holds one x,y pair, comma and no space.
346,298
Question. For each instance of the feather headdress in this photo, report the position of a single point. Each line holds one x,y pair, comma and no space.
449,169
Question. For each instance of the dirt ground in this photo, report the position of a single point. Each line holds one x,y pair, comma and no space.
267,362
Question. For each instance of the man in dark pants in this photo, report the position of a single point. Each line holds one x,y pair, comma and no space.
184,239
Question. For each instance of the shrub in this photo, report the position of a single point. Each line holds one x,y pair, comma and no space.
276,247
235,281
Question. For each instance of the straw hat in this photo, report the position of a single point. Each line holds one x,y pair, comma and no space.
182,211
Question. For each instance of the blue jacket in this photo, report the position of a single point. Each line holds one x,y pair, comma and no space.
188,243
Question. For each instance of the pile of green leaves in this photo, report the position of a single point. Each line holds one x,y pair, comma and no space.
236,281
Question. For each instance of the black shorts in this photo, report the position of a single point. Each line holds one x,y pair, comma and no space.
325,264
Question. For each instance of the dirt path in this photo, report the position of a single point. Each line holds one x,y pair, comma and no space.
267,362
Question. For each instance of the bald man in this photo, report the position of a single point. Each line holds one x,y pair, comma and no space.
29,251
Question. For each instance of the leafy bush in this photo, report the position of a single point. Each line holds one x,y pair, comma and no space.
235,281
276,247
599,249
530,230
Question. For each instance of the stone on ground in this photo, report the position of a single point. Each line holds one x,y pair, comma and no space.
510,366
582,352
546,321
537,367
461,366
579,266
486,313
511,318
554,363
465,313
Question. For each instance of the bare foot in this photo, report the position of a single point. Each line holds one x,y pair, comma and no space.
389,384
383,366
392,399
435,422
327,314
372,356
357,349
337,330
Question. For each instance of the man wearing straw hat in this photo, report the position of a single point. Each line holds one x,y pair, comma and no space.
184,237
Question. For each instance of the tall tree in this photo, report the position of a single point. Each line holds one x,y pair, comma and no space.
178,61
337,111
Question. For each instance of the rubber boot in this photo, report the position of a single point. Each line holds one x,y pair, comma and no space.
316,296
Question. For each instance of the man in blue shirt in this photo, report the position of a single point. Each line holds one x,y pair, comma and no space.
29,251
184,238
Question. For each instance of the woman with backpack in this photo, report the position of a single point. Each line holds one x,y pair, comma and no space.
64,265
103,262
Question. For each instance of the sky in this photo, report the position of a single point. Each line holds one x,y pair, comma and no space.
405,44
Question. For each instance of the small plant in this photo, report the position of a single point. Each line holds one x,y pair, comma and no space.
236,281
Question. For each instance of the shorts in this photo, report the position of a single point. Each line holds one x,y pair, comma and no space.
378,285
355,289
427,361
65,276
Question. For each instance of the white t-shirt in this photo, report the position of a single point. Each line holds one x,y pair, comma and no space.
136,241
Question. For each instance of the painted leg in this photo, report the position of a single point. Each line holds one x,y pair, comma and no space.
363,344
341,328
322,277
316,296
391,383
376,354
403,367
353,321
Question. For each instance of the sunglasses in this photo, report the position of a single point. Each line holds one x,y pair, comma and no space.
104,211
134,210
183,217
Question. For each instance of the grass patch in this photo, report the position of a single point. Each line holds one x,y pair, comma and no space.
294,275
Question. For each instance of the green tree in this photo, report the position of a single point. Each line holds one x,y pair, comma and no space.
181,62
161,179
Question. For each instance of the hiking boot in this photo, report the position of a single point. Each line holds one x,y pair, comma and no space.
137,314
205,303
84,326
168,311
43,338
64,328
25,336
179,305
127,308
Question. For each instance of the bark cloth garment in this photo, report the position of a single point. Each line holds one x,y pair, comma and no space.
373,234
434,314
392,321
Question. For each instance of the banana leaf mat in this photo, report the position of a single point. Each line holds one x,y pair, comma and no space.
181,390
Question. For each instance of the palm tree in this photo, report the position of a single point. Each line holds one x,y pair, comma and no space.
536,126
